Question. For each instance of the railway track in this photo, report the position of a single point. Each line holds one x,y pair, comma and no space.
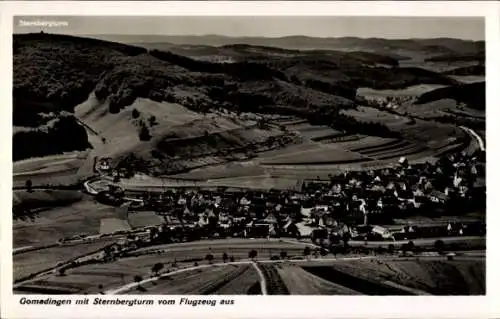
274,283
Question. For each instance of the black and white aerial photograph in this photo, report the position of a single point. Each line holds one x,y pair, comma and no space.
249,155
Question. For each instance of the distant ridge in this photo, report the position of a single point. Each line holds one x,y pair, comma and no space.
433,46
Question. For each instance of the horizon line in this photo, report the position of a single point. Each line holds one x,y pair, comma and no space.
251,36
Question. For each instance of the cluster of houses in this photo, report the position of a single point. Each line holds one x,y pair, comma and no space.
388,102
358,205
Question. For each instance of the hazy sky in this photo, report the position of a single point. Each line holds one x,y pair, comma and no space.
383,27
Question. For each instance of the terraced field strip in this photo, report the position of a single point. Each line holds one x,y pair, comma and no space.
383,144
427,154
408,149
324,138
293,122
274,283
343,139
399,146
235,272
324,155
301,282
448,149
360,141
243,284
418,151
322,135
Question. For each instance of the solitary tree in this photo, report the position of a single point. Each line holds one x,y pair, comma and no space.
283,254
100,289
144,133
439,245
411,245
62,271
152,120
252,254
209,258
225,257
345,239
323,252
29,185
307,251
335,251
157,268
135,114
138,279
390,249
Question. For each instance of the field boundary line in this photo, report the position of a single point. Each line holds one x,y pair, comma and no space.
262,281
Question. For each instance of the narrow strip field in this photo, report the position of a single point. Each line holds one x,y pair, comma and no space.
301,282
384,144
320,156
204,281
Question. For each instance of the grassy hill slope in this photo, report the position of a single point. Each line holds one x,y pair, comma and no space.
55,73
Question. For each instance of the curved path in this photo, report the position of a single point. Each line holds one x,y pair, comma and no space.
263,283
476,136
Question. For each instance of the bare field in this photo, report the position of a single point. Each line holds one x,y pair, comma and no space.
144,219
50,170
111,225
83,217
49,164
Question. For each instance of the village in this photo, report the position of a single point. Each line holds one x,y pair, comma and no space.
357,206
